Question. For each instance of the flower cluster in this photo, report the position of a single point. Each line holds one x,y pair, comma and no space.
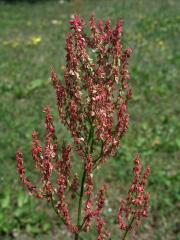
48,163
96,91
136,206
92,103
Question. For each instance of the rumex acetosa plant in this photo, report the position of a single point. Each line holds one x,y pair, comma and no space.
92,102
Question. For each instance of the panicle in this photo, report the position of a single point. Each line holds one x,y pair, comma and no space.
102,233
25,180
96,213
37,150
136,205
96,89
92,103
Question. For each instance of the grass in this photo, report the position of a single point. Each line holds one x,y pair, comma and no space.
32,40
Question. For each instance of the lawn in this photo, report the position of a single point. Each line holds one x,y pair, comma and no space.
32,39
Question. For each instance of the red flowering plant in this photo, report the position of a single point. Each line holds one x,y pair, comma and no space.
92,102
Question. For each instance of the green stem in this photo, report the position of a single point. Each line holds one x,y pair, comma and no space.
80,203
90,143
128,228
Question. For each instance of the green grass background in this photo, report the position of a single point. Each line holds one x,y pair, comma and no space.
32,39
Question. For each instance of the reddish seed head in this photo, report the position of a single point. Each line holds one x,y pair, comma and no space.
137,203
92,103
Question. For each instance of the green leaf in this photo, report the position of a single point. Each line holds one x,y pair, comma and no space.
46,227
38,83
22,199
5,202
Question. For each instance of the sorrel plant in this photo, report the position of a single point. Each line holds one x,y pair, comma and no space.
92,102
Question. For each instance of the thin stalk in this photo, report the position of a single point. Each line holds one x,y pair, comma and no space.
128,228
90,142
76,237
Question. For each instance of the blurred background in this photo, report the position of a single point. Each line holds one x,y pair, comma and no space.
32,39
